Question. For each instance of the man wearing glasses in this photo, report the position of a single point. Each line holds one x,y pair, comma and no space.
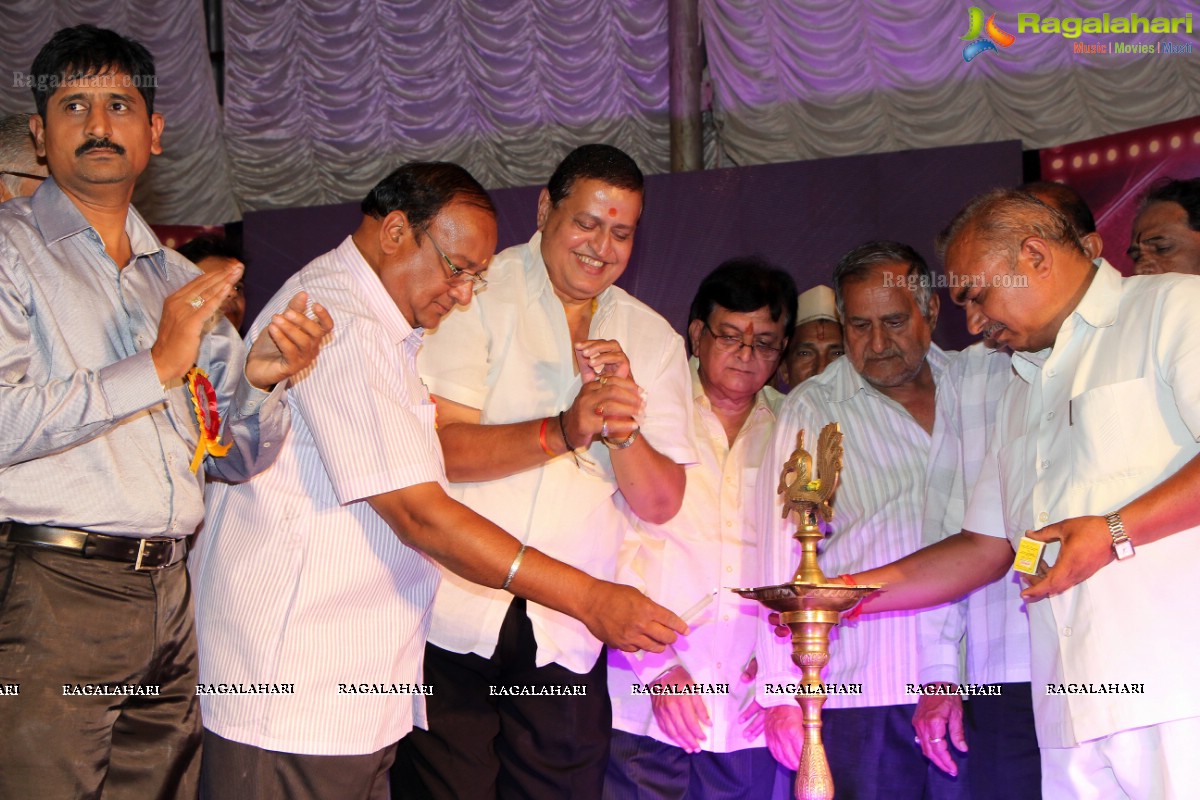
693,745
883,395
314,579
20,172
563,407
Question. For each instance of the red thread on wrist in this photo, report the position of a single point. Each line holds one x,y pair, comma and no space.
542,438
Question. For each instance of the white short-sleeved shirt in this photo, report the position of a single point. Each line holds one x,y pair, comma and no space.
878,513
510,355
711,544
298,581
993,618
1107,413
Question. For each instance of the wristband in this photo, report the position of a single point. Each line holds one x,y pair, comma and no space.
562,426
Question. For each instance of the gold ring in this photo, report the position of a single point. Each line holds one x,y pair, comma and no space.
603,379
196,302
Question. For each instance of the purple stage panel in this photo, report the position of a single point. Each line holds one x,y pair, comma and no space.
802,216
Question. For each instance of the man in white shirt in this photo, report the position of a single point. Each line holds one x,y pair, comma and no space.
1005,760
883,394
1095,451
314,580
685,721
564,405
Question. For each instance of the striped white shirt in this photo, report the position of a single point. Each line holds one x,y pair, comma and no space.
710,544
298,581
994,617
510,355
878,513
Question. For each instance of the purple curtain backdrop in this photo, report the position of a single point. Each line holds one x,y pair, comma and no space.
801,216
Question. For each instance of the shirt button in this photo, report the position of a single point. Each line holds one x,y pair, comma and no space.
718,665
728,568
1051,373
1042,517
1050,415
1066,631
266,444
1045,464
728,524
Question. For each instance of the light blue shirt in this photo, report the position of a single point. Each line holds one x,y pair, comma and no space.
89,438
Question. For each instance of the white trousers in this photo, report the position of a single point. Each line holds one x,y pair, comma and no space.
1158,762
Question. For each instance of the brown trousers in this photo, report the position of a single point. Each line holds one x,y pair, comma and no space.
104,659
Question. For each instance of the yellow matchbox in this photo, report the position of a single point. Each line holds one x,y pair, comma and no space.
1029,554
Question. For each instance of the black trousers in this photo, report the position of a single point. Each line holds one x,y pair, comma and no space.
872,756
483,745
643,768
1005,760
235,771
72,631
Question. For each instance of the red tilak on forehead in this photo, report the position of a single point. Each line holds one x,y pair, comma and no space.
612,212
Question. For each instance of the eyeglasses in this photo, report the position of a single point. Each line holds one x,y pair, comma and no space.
458,276
28,175
734,344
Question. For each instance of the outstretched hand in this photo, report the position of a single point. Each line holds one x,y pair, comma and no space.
624,618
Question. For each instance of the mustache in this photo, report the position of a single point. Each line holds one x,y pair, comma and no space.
100,144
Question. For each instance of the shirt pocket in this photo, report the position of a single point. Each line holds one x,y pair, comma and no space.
1115,430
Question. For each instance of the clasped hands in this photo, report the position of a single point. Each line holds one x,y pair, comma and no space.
609,403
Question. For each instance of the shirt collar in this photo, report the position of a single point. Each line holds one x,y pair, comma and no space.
382,307
1097,308
57,217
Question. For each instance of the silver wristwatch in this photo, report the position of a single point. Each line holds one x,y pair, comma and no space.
1121,545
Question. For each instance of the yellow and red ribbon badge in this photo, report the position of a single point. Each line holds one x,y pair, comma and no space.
204,401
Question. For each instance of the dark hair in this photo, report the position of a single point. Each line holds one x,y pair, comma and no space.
601,162
862,260
421,189
1066,200
747,284
1181,191
86,51
1005,218
209,245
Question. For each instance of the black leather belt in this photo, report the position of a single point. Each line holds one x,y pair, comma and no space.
144,554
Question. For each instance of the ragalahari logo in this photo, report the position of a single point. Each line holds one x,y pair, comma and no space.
980,43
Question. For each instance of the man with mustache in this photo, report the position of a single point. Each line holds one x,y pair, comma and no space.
883,394
563,406
1096,452
105,429
999,728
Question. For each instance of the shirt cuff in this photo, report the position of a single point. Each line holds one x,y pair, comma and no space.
940,673
131,385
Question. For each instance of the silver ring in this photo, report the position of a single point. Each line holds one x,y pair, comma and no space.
196,302
604,430
936,739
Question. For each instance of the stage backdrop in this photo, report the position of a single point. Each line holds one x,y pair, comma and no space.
801,216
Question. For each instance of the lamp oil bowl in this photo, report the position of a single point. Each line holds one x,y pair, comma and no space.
810,606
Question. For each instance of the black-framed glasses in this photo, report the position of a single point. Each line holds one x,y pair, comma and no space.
28,175
458,275
734,344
